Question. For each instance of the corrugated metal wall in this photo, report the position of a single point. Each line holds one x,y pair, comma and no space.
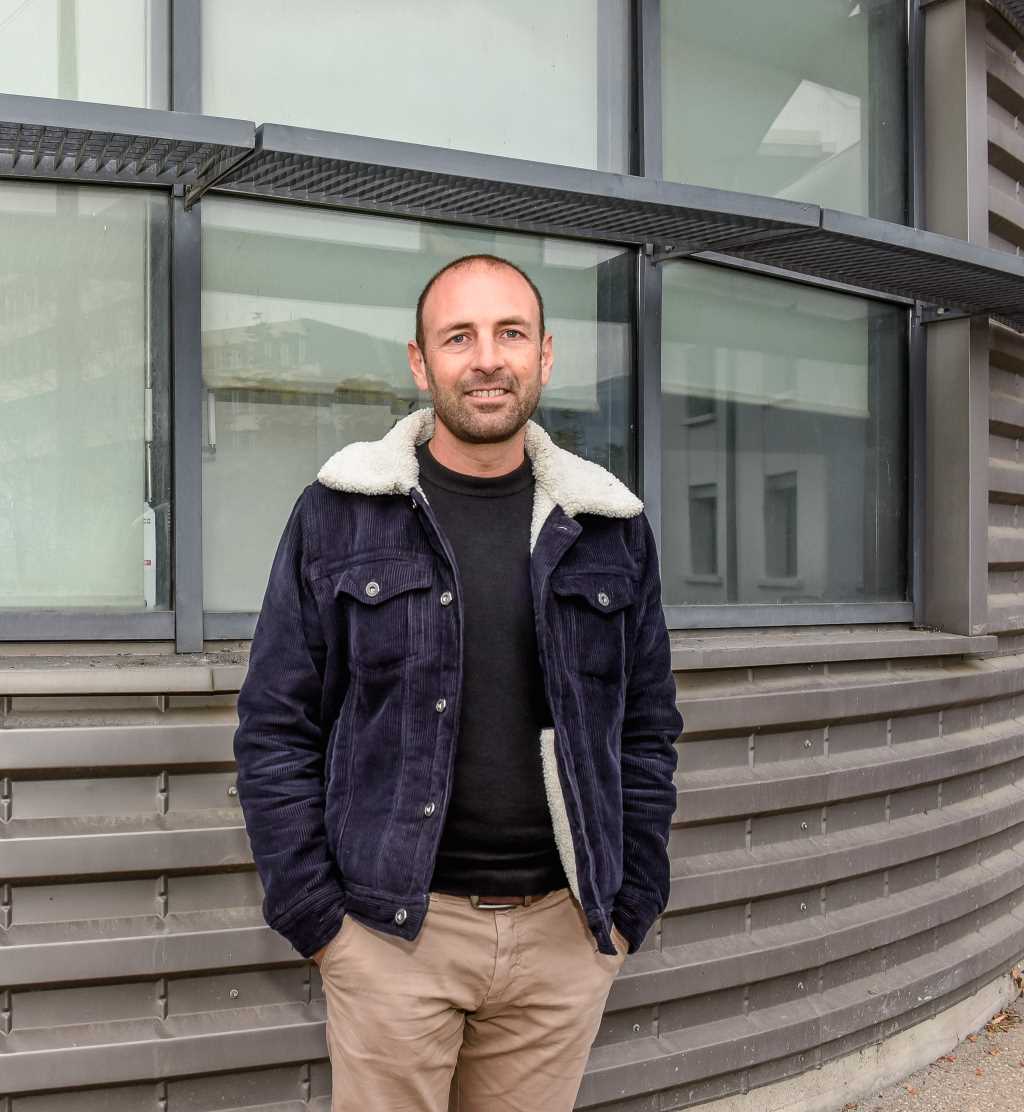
848,860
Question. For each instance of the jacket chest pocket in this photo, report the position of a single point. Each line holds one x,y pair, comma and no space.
382,604
591,612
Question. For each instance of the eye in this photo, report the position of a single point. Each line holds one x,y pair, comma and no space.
514,333
457,336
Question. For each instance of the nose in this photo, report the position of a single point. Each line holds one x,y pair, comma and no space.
487,356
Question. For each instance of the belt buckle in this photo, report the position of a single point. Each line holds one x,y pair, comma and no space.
483,906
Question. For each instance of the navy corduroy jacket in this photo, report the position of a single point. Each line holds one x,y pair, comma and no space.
349,712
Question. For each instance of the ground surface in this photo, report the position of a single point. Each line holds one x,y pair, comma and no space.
985,1073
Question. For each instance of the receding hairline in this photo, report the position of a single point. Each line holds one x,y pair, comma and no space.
493,262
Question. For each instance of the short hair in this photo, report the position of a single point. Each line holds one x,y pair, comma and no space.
469,260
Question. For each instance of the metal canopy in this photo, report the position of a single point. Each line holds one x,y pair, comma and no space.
79,141
379,175
907,262
70,140
1012,11
376,175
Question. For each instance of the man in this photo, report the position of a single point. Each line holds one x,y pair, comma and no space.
456,735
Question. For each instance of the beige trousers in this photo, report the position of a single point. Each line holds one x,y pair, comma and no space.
485,1011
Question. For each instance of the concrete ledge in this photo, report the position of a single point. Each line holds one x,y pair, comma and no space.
751,648
850,1079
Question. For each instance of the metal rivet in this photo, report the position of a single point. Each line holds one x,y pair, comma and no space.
372,588
807,743
446,598
636,1028
232,790
804,826
803,907
602,598
233,993
401,915
800,986
440,705
429,809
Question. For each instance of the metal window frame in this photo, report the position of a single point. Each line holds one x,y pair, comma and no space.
231,143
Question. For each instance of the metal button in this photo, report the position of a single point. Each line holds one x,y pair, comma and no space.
446,598
401,915
429,809
440,705
602,598
372,588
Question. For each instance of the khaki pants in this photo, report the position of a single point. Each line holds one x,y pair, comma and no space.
508,1001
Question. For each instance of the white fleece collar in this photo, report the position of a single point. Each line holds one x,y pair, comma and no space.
389,466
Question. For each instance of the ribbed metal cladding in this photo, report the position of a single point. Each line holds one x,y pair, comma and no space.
848,859
1005,79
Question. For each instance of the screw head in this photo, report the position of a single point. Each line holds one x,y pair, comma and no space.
233,993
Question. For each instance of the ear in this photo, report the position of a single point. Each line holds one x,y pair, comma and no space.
416,365
547,358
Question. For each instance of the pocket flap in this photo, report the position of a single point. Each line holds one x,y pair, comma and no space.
606,592
375,581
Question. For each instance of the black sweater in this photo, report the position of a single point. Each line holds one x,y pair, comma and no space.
497,837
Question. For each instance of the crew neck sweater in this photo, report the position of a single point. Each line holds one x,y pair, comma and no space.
497,838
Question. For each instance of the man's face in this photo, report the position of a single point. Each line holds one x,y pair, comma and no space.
485,361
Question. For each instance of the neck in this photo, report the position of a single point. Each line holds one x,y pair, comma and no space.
482,460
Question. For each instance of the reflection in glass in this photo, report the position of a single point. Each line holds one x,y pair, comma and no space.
535,80
110,51
801,99
84,458
783,442
306,315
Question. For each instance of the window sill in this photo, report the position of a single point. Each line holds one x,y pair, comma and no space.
119,669
749,648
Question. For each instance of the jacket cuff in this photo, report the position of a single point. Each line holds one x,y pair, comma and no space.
633,925
314,927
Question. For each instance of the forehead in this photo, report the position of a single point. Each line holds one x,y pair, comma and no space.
478,292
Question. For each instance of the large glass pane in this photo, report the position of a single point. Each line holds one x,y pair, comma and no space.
534,80
84,457
306,315
111,51
784,449
802,99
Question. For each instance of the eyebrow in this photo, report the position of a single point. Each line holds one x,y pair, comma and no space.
468,326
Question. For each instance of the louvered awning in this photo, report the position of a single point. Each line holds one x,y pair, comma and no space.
85,142
80,141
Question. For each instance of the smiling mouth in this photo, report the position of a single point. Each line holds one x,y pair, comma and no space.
494,392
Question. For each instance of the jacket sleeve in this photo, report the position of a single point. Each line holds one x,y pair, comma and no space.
279,750
651,725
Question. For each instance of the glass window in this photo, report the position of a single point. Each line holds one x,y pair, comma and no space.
110,51
535,80
84,459
802,99
790,483
306,315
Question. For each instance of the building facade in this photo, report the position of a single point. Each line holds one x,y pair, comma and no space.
778,247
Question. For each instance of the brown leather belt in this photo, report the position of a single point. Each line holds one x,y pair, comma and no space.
491,903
